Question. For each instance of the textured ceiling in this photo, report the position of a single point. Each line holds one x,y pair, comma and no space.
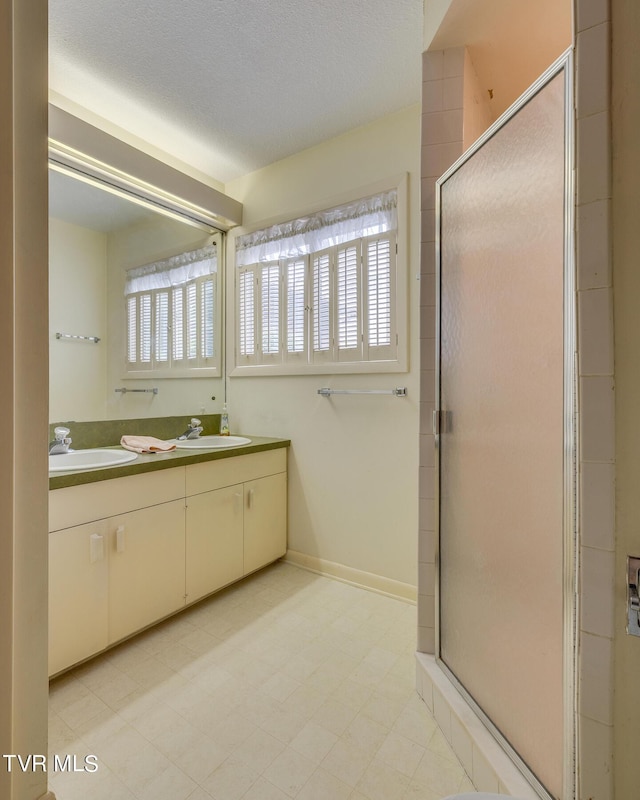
229,86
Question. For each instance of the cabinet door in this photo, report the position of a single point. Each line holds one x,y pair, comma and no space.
77,594
214,551
146,567
265,521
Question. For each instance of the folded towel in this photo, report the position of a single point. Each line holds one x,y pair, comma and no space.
146,444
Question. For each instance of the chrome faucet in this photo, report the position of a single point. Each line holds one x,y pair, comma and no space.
193,431
61,443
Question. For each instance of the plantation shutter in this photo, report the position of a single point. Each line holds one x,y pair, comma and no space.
140,311
132,330
207,304
349,308
192,322
246,316
379,281
296,299
321,308
172,313
270,311
161,327
177,324
320,289
144,331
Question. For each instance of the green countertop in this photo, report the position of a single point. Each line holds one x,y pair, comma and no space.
154,461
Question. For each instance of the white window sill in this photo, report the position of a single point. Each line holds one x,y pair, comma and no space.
343,368
170,374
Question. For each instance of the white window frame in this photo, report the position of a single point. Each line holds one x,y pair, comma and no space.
207,361
392,357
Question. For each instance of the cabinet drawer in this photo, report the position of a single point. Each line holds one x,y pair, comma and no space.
229,471
75,505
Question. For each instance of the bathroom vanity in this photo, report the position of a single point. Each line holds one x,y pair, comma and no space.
129,546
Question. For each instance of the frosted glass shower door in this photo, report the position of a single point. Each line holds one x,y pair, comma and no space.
501,451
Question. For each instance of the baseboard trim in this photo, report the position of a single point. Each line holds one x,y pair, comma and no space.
356,577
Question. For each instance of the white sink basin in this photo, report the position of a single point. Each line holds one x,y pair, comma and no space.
96,458
210,442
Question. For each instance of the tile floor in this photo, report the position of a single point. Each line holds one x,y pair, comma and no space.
286,685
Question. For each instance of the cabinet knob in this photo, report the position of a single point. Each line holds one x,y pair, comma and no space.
96,548
250,498
120,539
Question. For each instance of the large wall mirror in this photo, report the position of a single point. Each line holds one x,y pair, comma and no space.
135,302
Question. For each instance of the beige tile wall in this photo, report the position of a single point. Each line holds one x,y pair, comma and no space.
442,137
596,400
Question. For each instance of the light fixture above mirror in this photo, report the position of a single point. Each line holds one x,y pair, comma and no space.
91,155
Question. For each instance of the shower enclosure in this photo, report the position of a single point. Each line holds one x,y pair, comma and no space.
504,431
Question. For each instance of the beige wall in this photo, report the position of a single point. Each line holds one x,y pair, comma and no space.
354,460
434,13
479,114
77,305
23,391
626,281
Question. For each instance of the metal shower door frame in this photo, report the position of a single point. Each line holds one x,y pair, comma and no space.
570,449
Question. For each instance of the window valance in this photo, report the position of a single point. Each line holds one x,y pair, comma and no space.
174,271
365,217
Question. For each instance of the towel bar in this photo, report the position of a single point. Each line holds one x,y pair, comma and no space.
124,390
94,339
398,392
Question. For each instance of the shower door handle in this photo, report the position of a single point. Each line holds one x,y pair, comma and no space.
442,422
633,596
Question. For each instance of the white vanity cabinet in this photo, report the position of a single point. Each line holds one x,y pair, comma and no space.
127,552
236,519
